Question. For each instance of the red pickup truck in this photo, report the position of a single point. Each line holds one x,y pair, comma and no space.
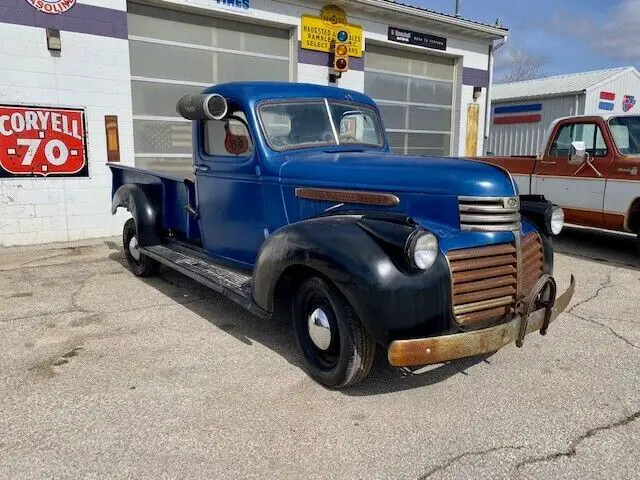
588,165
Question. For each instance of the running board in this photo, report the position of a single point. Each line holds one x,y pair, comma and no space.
234,284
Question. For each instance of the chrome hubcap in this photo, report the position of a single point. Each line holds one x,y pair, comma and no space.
320,329
133,248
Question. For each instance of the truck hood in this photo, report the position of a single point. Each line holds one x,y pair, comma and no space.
395,173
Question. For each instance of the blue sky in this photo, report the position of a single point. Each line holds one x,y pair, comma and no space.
572,35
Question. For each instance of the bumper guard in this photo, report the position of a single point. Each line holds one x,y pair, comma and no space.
427,351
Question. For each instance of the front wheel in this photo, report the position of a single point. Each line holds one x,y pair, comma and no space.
337,350
140,264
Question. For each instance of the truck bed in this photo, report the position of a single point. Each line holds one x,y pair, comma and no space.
172,192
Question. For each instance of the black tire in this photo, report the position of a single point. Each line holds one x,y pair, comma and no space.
143,266
350,355
638,243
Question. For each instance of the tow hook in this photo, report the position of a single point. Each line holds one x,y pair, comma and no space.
543,295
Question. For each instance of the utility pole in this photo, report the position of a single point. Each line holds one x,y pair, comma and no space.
457,8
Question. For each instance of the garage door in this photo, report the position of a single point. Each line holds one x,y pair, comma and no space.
175,53
415,95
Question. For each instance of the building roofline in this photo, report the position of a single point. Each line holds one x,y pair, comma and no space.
614,77
481,28
533,97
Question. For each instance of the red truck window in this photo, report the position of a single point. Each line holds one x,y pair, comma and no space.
589,133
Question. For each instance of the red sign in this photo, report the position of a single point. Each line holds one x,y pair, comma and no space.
42,141
52,6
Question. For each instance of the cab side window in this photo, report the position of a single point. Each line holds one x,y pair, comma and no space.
589,133
228,137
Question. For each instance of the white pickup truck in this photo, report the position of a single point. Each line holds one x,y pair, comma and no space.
590,166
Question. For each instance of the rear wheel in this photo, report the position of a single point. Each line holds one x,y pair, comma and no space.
140,264
337,350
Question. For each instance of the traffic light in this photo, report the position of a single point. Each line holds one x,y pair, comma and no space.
341,51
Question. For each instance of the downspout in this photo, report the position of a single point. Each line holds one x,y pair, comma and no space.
492,49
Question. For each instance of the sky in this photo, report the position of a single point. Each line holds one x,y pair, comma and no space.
570,35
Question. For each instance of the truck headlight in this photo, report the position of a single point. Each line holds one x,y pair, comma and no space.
422,249
556,220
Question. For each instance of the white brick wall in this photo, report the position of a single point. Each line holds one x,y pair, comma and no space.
91,72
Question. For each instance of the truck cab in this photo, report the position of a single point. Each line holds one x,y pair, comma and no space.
298,207
590,166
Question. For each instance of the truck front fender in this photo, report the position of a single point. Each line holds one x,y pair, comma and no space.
391,300
143,210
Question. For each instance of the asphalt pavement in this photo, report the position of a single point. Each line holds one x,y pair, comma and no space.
105,375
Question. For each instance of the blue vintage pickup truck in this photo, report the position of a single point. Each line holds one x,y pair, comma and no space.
298,207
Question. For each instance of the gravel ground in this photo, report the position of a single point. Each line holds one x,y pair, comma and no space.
105,375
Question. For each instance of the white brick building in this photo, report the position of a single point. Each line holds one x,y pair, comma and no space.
133,59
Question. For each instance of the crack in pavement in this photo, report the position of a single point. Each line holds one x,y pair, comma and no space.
572,449
444,466
19,267
601,287
107,312
616,334
74,295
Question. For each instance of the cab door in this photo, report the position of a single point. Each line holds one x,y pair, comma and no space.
577,187
228,190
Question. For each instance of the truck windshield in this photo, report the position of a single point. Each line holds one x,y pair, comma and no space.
626,134
312,123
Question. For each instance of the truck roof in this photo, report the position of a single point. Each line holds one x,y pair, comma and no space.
252,92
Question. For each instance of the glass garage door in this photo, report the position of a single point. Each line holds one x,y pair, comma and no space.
415,95
174,53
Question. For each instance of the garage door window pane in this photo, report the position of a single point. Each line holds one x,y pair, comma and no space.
435,141
433,68
177,166
169,25
168,62
430,91
393,116
429,118
232,67
385,87
377,60
158,99
396,141
161,137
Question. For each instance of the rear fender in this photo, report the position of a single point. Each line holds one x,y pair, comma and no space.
391,299
632,218
144,210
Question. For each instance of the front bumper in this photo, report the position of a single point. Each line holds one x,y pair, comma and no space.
427,351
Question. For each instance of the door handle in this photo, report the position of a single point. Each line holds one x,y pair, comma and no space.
200,168
548,162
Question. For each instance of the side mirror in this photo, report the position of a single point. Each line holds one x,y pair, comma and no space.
578,153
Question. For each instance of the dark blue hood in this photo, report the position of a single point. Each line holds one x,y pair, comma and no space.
389,172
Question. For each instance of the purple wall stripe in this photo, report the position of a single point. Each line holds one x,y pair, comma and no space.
312,57
475,77
80,18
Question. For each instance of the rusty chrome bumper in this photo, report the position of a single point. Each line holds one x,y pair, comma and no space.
426,351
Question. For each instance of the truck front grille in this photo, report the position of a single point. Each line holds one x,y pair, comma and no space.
485,279
489,214
532,262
